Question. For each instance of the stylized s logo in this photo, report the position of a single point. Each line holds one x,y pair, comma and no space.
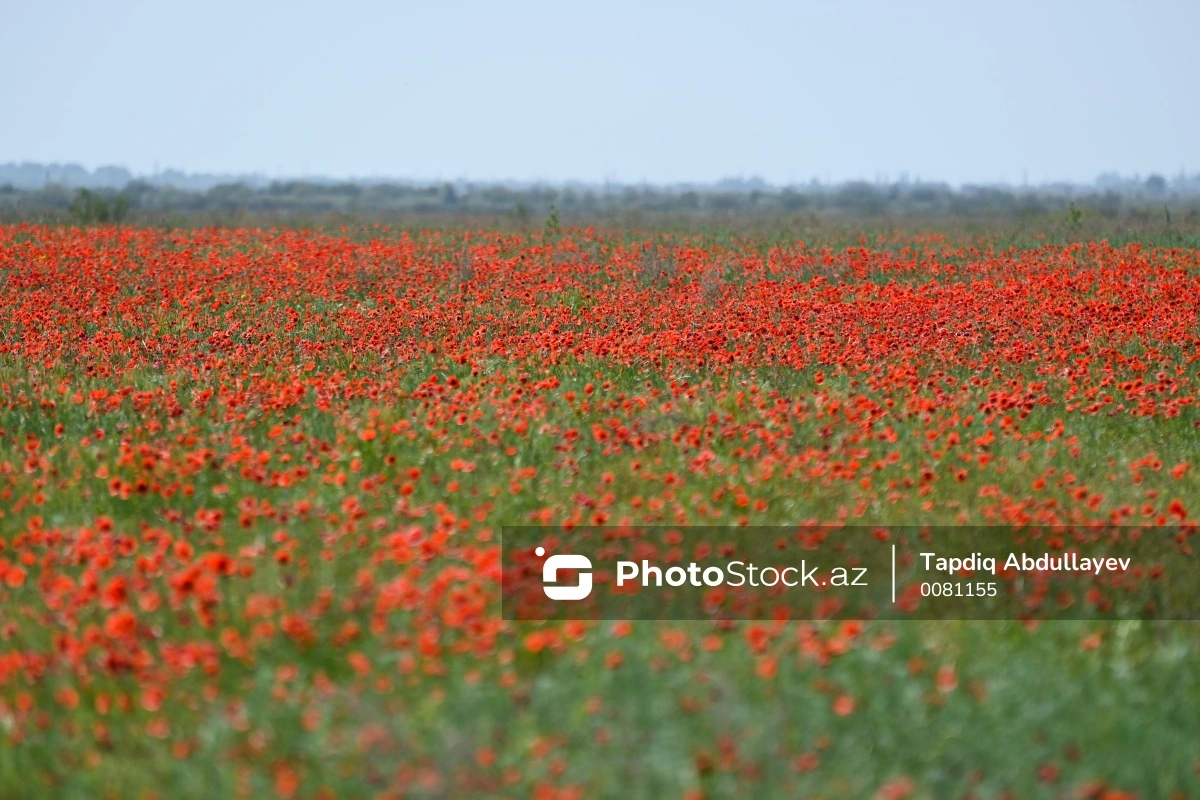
550,575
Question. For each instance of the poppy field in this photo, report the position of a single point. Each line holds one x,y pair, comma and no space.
253,485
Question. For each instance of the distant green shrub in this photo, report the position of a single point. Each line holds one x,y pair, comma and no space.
90,208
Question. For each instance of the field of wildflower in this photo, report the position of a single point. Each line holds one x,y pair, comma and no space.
253,485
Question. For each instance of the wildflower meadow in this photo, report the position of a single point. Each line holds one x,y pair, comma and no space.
253,487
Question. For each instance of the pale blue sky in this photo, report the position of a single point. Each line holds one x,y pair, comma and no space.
965,91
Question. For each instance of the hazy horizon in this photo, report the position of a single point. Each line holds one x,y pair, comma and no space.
697,93
103,176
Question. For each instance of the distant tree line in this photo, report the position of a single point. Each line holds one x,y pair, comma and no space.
142,200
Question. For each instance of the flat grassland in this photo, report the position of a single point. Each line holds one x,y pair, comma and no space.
252,485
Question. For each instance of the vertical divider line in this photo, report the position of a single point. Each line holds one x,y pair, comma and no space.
893,574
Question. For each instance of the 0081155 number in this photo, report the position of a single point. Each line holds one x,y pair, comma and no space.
950,589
